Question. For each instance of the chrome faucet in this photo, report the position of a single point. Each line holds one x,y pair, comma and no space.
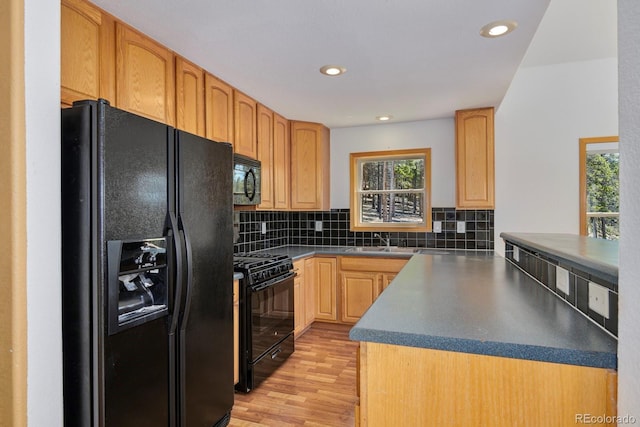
387,241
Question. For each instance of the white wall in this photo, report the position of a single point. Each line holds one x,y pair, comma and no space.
44,341
544,113
437,134
629,315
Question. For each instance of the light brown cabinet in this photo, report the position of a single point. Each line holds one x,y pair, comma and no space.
362,280
310,294
265,155
453,388
326,290
281,162
475,170
218,97
273,153
189,97
309,166
145,76
359,290
87,53
303,291
244,113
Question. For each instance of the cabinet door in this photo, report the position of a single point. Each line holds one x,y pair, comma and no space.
281,162
189,97
298,305
298,298
309,166
310,291
387,278
265,155
218,109
244,113
359,290
475,159
325,285
145,76
87,53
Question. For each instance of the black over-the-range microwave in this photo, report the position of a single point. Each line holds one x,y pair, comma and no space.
246,180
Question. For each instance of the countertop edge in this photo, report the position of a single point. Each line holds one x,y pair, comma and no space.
593,266
592,359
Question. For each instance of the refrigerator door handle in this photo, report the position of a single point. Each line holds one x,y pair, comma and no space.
189,288
179,273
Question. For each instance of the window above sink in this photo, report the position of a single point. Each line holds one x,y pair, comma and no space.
391,190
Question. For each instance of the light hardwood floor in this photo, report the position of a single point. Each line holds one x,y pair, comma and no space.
316,386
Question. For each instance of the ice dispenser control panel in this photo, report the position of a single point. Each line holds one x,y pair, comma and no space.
138,282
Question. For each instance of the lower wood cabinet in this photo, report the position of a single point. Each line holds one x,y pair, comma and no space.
362,280
358,291
304,295
325,286
400,386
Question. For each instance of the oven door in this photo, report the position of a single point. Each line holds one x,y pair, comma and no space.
271,316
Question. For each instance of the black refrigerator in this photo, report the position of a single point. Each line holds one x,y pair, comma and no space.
147,272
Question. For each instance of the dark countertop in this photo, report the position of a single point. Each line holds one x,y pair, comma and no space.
299,252
594,256
484,305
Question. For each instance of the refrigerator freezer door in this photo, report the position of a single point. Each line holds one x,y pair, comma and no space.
205,343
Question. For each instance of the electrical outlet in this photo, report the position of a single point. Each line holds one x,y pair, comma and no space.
562,280
318,225
263,228
516,253
599,299
461,226
437,226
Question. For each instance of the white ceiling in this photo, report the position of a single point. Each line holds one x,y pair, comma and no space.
413,59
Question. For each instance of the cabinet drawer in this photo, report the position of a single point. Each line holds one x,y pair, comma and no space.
390,265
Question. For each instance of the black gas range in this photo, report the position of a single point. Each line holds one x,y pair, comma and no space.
266,315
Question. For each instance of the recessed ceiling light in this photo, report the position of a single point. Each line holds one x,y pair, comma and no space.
498,28
384,118
333,70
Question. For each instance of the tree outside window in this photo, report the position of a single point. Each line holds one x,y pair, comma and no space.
391,190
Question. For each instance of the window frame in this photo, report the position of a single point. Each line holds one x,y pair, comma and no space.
355,178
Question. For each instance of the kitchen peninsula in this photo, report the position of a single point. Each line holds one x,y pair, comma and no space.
472,340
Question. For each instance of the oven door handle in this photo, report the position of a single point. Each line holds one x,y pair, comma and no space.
273,282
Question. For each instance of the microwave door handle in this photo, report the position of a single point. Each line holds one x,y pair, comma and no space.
246,187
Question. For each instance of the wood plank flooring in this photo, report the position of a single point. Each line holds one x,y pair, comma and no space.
315,387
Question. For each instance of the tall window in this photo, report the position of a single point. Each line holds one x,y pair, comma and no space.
600,187
391,190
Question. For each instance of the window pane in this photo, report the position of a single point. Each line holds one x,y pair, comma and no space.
603,194
392,174
392,208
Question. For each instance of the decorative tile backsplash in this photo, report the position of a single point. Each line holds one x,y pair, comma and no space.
303,228
543,268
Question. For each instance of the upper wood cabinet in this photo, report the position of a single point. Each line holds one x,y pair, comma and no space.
145,76
475,176
281,162
265,155
218,109
274,155
244,114
189,97
309,166
87,53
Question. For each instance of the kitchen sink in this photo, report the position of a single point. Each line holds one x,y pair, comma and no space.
398,250
388,249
